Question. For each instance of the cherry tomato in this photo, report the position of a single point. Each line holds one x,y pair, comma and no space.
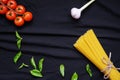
3,9
12,4
27,16
11,15
20,9
19,21
4,1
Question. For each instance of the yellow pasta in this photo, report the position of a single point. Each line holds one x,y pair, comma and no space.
90,47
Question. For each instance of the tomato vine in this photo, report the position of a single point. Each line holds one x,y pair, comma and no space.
15,12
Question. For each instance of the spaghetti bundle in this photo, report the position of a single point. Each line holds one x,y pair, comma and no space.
91,48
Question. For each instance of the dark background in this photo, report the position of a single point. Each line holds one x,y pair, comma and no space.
51,35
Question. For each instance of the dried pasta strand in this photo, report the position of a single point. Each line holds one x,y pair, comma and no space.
90,47
93,51
97,44
94,48
83,49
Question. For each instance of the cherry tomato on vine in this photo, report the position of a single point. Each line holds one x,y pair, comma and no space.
11,15
19,21
20,9
12,4
3,9
4,1
27,16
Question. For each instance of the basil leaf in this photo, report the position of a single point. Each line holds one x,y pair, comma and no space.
23,65
19,40
19,43
17,56
62,70
36,73
40,65
17,35
33,62
89,70
74,76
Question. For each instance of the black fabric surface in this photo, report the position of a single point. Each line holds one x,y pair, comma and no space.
51,35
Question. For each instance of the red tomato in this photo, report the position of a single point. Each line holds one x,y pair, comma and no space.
3,9
19,21
12,4
27,16
11,15
20,9
4,1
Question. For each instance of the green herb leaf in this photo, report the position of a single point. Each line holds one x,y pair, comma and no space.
89,70
74,76
62,70
19,43
17,56
23,65
40,65
36,73
17,35
33,62
19,40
